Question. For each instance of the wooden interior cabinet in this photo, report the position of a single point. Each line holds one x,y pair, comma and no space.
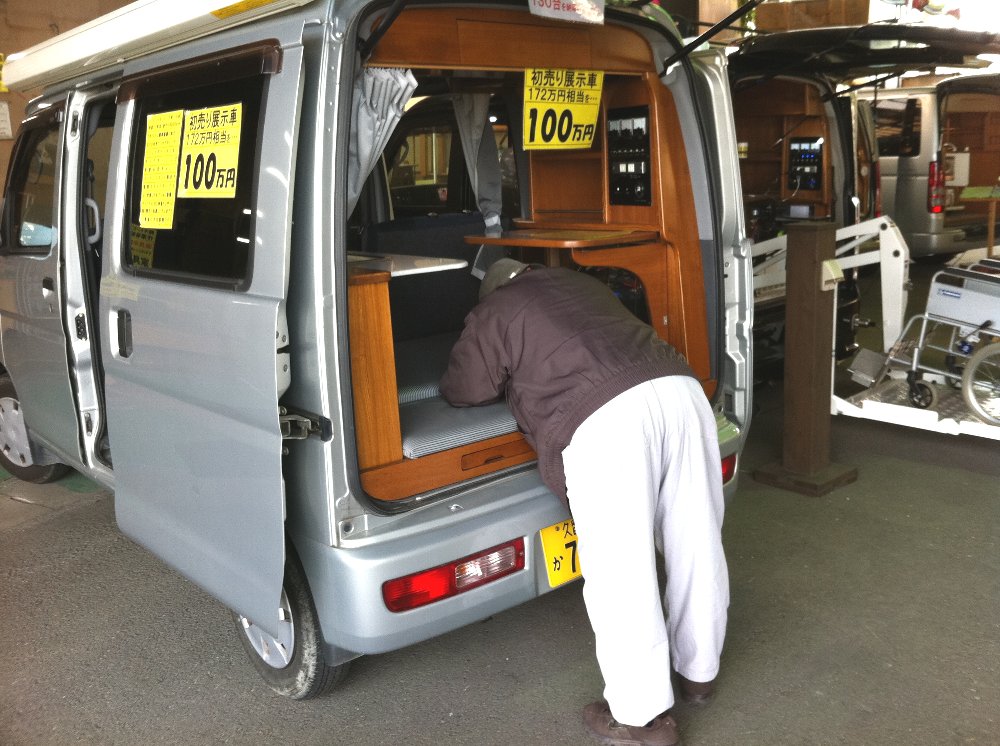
570,189
385,473
376,404
772,118
569,193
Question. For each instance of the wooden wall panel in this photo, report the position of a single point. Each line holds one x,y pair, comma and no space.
567,185
491,39
373,370
783,16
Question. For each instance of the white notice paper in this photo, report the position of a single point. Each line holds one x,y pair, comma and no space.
588,11
6,129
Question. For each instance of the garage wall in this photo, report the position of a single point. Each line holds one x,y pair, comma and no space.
24,23
783,16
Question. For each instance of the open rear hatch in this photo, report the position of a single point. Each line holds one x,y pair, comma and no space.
611,195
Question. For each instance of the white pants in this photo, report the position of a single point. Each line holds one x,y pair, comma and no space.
643,474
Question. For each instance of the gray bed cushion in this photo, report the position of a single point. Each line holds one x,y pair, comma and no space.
433,425
420,363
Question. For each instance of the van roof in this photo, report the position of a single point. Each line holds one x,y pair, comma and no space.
971,84
139,28
849,52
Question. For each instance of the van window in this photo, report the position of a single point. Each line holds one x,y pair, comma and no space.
426,166
418,172
191,182
28,225
897,127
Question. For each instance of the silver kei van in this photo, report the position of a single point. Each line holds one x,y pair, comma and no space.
934,143
238,242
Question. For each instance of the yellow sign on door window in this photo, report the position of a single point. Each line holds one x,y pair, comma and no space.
561,108
159,169
210,153
143,246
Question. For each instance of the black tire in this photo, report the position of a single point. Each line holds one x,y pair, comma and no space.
981,383
296,667
922,395
10,461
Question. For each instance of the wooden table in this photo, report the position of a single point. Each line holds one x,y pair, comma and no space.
401,265
556,239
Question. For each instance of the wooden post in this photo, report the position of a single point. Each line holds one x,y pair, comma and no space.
805,466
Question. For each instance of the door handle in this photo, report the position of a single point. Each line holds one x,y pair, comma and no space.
94,221
124,333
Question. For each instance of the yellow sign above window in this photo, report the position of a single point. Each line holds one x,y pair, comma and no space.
561,108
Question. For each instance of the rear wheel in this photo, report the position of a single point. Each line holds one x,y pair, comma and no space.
981,383
15,455
292,662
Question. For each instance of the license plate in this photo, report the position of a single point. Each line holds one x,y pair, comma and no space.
559,548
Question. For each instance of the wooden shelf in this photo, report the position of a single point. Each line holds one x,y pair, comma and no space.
409,477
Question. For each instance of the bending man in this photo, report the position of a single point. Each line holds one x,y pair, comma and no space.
624,433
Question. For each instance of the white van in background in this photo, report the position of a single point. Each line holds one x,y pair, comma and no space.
934,142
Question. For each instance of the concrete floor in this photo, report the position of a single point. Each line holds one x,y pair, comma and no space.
868,616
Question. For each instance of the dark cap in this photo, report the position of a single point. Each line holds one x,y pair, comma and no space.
500,273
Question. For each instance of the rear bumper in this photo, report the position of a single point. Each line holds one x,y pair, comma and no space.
947,241
346,581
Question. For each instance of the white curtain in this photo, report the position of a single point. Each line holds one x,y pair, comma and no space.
380,95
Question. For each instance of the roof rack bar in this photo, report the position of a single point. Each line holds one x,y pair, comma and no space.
138,28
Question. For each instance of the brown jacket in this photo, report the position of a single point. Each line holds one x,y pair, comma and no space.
561,345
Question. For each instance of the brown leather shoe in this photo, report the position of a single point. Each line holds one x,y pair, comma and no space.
696,692
601,724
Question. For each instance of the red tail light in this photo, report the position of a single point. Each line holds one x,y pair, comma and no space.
444,581
935,187
728,468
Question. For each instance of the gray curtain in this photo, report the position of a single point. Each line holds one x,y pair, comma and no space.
379,97
479,149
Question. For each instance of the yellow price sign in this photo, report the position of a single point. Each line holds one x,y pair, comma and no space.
210,152
561,108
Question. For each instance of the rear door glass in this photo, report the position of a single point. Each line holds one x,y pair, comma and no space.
426,166
897,127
